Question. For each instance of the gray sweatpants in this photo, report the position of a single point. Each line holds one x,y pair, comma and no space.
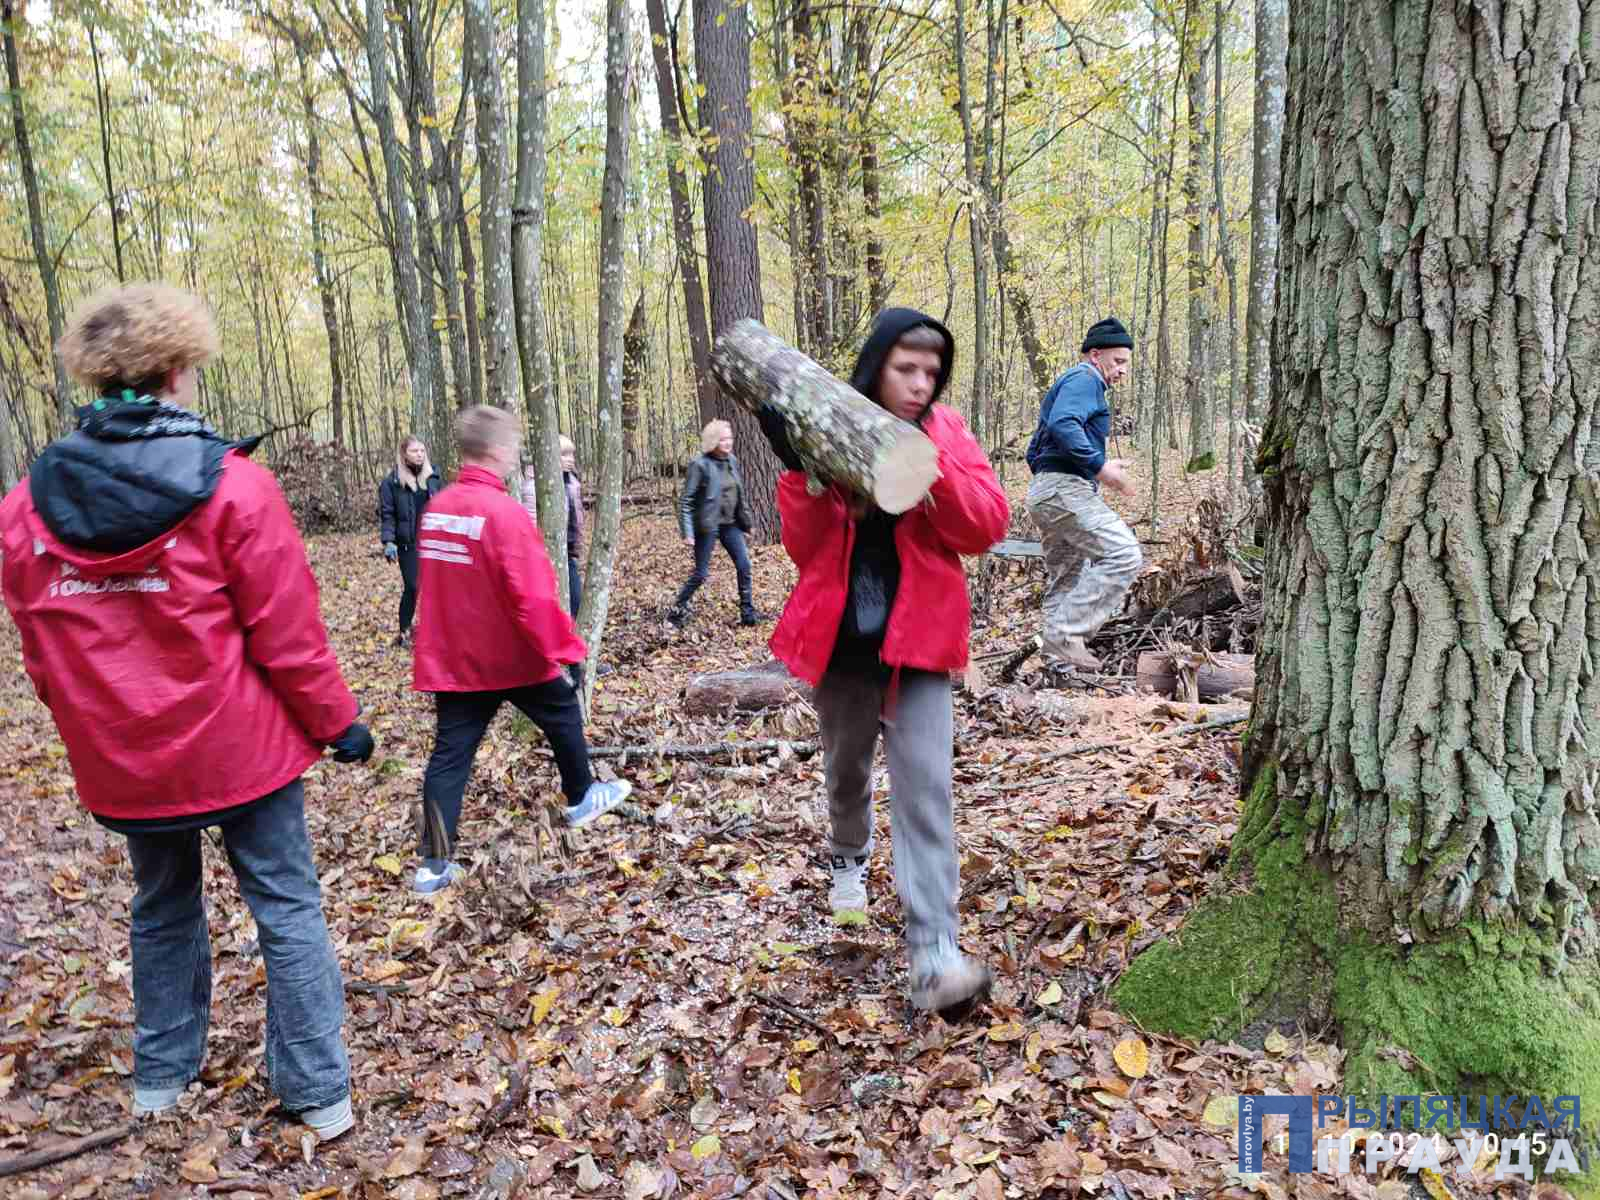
1090,555
918,742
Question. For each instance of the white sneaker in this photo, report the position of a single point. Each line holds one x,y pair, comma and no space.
848,895
150,1102
945,980
600,799
332,1121
436,874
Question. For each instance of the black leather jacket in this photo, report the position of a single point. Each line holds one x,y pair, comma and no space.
699,510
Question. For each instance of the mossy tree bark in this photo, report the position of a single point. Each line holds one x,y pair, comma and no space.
1420,791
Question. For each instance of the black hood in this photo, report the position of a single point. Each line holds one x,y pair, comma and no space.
134,468
889,328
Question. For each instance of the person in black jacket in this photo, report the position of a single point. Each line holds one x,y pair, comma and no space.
712,510
402,497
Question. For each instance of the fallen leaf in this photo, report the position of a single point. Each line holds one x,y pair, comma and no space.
1009,1031
640,1182
1222,1112
409,1160
389,863
590,1176
706,1146
1133,1056
1275,1043
542,1004
1050,995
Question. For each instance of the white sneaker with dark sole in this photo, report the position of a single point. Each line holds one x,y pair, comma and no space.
847,897
600,799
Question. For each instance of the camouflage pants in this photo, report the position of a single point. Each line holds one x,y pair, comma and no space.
1090,555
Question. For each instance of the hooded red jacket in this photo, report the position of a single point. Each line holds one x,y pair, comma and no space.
189,674
928,628
488,616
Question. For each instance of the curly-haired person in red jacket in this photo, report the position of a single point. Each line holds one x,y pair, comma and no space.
169,622
878,621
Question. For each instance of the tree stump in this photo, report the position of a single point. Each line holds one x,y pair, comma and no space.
838,433
746,690
1221,676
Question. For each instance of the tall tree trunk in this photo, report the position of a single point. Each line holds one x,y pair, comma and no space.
527,288
10,18
879,284
975,212
1230,266
492,176
733,263
1420,837
669,98
635,362
418,333
1199,384
299,39
1272,51
102,108
802,102
612,280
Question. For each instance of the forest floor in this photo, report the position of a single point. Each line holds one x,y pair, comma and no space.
666,1010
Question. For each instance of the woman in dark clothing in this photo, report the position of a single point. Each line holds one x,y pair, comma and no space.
711,511
402,497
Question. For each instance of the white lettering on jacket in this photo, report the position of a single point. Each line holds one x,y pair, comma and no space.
439,522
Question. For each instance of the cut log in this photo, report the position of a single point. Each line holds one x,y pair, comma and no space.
746,690
838,433
1223,675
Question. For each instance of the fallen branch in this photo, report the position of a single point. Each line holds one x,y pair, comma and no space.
711,750
54,1154
792,1012
376,989
1009,671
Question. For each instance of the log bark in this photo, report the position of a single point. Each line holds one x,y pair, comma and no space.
839,434
1224,675
748,689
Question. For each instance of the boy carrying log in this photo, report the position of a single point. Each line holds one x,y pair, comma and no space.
878,621
492,629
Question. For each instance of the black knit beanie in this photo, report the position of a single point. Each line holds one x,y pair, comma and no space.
1109,332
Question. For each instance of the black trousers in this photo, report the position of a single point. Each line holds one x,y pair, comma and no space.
408,575
732,539
462,720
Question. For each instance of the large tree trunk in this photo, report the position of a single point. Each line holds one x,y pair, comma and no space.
613,212
418,334
527,287
1420,832
9,20
670,99
840,434
493,174
733,263
976,206
1272,51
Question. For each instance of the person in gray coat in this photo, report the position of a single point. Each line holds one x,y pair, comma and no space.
711,511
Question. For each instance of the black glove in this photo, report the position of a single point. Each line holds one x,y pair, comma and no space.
353,745
776,428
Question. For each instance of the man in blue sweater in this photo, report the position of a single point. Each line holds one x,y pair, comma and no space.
1090,554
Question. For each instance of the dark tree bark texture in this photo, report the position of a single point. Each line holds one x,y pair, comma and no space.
1420,833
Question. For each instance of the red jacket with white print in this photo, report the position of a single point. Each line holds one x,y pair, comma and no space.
189,674
488,616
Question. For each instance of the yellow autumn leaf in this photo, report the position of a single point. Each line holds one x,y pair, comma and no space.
1010,1031
706,1146
794,1081
617,1017
1435,1184
389,863
1133,1056
542,1004
1222,1112
804,1045
554,1125
1050,995
1275,1043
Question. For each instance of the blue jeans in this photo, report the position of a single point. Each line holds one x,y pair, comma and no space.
270,853
732,539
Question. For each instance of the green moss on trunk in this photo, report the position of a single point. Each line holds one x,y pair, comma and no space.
1475,1014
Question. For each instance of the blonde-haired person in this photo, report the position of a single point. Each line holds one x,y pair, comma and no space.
712,510
169,621
402,497
574,490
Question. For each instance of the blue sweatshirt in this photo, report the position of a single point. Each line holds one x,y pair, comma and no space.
1073,423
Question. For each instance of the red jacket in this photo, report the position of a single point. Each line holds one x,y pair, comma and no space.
964,513
488,616
190,674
